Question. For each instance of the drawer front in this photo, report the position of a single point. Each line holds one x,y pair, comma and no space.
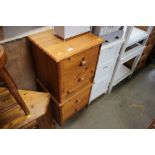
99,89
109,53
103,71
75,104
80,85
78,70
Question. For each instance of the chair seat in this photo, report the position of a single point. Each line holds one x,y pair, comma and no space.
11,114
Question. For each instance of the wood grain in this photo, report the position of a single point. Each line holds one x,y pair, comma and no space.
62,112
78,74
59,49
75,104
65,74
13,116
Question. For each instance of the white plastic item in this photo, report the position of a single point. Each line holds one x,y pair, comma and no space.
136,36
109,52
66,32
132,53
103,71
122,73
107,60
133,36
98,89
103,30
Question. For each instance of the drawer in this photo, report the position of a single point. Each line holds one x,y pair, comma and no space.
78,70
99,88
75,104
78,85
103,71
108,53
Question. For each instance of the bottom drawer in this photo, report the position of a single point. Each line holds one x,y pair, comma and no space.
75,104
99,89
63,111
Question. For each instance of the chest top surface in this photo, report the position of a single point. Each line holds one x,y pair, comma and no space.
59,49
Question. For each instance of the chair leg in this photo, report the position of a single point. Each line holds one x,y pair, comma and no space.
5,76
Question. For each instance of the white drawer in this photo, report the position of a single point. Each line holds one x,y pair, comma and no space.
108,52
103,71
98,89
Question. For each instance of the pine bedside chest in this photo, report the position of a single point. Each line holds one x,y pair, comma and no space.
66,69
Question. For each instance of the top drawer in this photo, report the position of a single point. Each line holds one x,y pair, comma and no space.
108,53
78,69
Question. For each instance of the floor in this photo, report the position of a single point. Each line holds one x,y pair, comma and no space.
130,105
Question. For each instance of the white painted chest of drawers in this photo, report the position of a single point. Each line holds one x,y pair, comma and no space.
106,63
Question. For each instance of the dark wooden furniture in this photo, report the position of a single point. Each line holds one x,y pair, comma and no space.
66,69
13,117
6,78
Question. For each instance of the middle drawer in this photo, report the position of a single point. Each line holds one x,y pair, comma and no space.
103,71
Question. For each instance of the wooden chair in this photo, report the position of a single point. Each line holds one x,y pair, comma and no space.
10,84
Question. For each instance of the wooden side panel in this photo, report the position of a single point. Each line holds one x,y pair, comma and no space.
46,70
56,111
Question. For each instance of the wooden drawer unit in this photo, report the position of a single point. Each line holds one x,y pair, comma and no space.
75,104
79,69
65,68
71,106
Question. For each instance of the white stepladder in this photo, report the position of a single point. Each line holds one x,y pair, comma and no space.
132,48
